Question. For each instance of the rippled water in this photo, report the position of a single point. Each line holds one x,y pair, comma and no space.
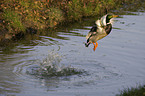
117,63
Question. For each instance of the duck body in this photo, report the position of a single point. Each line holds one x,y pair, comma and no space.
101,29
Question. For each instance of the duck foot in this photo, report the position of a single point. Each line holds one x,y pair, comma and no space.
95,46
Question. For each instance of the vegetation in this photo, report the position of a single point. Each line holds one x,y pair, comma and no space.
139,91
17,16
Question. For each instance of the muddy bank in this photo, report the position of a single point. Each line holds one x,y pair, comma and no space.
21,17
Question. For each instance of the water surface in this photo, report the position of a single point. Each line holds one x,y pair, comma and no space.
117,63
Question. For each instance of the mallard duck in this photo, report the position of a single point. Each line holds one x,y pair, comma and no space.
101,29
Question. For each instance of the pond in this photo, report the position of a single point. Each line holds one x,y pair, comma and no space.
57,63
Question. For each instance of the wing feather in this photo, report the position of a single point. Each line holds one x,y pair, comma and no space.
92,32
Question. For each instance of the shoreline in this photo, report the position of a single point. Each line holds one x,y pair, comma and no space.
30,17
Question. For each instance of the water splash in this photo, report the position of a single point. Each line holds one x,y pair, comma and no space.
51,67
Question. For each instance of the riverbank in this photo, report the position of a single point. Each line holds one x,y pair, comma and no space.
19,17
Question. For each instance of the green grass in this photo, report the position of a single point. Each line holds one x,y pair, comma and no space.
138,91
13,20
55,16
18,15
74,10
43,14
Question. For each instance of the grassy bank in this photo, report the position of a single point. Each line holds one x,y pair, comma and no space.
19,17
138,91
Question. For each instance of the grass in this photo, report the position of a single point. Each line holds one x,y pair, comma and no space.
138,91
55,16
18,15
13,21
74,10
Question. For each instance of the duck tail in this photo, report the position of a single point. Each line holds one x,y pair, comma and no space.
87,44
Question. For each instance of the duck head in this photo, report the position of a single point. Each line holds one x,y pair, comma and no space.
106,19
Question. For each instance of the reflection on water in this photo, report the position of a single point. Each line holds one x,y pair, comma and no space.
40,64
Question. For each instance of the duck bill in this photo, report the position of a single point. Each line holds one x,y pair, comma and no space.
114,16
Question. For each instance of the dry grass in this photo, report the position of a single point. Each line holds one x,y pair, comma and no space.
18,15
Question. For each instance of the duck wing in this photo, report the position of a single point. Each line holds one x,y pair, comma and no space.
108,28
92,32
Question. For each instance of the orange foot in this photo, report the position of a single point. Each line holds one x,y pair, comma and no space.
95,46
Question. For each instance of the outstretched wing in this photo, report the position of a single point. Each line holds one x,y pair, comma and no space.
92,32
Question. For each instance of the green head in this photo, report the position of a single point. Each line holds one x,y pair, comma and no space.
109,17
106,19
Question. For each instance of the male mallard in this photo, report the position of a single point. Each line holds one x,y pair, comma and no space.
101,29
